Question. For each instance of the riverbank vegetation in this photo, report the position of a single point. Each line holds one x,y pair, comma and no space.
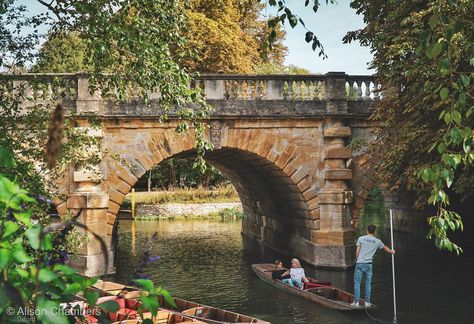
224,215
184,196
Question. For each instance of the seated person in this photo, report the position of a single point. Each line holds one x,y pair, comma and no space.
281,273
297,274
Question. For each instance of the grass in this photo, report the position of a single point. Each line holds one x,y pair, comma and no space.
226,214
184,196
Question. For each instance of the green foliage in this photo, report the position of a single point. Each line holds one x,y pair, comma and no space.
424,56
273,68
149,298
286,15
28,280
62,53
222,37
227,214
174,174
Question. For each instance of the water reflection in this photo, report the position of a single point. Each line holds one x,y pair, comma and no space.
209,262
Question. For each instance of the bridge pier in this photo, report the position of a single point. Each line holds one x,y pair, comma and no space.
91,203
335,240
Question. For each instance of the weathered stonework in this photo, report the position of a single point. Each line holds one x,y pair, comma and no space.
281,140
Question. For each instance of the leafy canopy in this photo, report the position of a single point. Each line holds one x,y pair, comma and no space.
424,57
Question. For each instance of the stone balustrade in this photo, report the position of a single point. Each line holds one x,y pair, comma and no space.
39,87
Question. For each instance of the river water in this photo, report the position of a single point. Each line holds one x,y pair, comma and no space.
209,262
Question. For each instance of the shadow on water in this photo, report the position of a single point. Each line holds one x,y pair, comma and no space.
209,262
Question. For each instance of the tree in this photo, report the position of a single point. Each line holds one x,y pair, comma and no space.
62,53
225,36
424,57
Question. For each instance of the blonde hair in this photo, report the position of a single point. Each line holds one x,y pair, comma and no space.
295,260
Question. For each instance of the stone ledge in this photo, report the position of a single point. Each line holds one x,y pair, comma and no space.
87,200
338,153
328,196
337,132
86,176
338,174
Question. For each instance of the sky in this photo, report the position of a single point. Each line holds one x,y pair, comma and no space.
330,24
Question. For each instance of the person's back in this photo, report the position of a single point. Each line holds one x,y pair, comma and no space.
368,246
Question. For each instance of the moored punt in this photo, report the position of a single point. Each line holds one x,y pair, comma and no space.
199,312
321,293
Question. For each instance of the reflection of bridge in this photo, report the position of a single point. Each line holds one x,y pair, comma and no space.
282,140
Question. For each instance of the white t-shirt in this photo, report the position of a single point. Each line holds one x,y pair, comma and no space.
297,273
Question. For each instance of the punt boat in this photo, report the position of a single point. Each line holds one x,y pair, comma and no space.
198,312
318,292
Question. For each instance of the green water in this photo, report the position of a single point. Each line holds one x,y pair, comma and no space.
209,262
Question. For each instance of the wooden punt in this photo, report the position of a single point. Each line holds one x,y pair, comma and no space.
199,312
327,296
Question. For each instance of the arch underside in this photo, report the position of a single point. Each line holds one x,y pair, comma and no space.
275,211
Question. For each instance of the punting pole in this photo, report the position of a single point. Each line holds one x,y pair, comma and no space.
393,269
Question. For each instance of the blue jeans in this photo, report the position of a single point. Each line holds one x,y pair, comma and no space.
298,283
360,270
288,282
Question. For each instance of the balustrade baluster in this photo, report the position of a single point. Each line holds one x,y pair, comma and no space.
248,89
349,90
67,89
316,90
367,90
49,91
233,88
290,90
239,89
259,90
359,90
306,90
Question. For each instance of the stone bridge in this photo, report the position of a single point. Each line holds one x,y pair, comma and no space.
281,140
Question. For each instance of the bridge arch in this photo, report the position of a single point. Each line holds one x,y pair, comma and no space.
273,177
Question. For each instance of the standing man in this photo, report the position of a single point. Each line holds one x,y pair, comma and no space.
367,245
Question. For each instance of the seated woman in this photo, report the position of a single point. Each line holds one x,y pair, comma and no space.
297,274
281,273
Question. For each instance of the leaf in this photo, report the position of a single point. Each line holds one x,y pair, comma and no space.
150,303
309,36
110,306
20,256
91,297
443,93
46,275
9,228
437,48
456,116
48,312
33,235
447,117
146,284
64,269
465,80
47,242
426,175
73,288
167,297
6,158
5,255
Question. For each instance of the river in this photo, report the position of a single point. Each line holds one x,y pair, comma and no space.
209,262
